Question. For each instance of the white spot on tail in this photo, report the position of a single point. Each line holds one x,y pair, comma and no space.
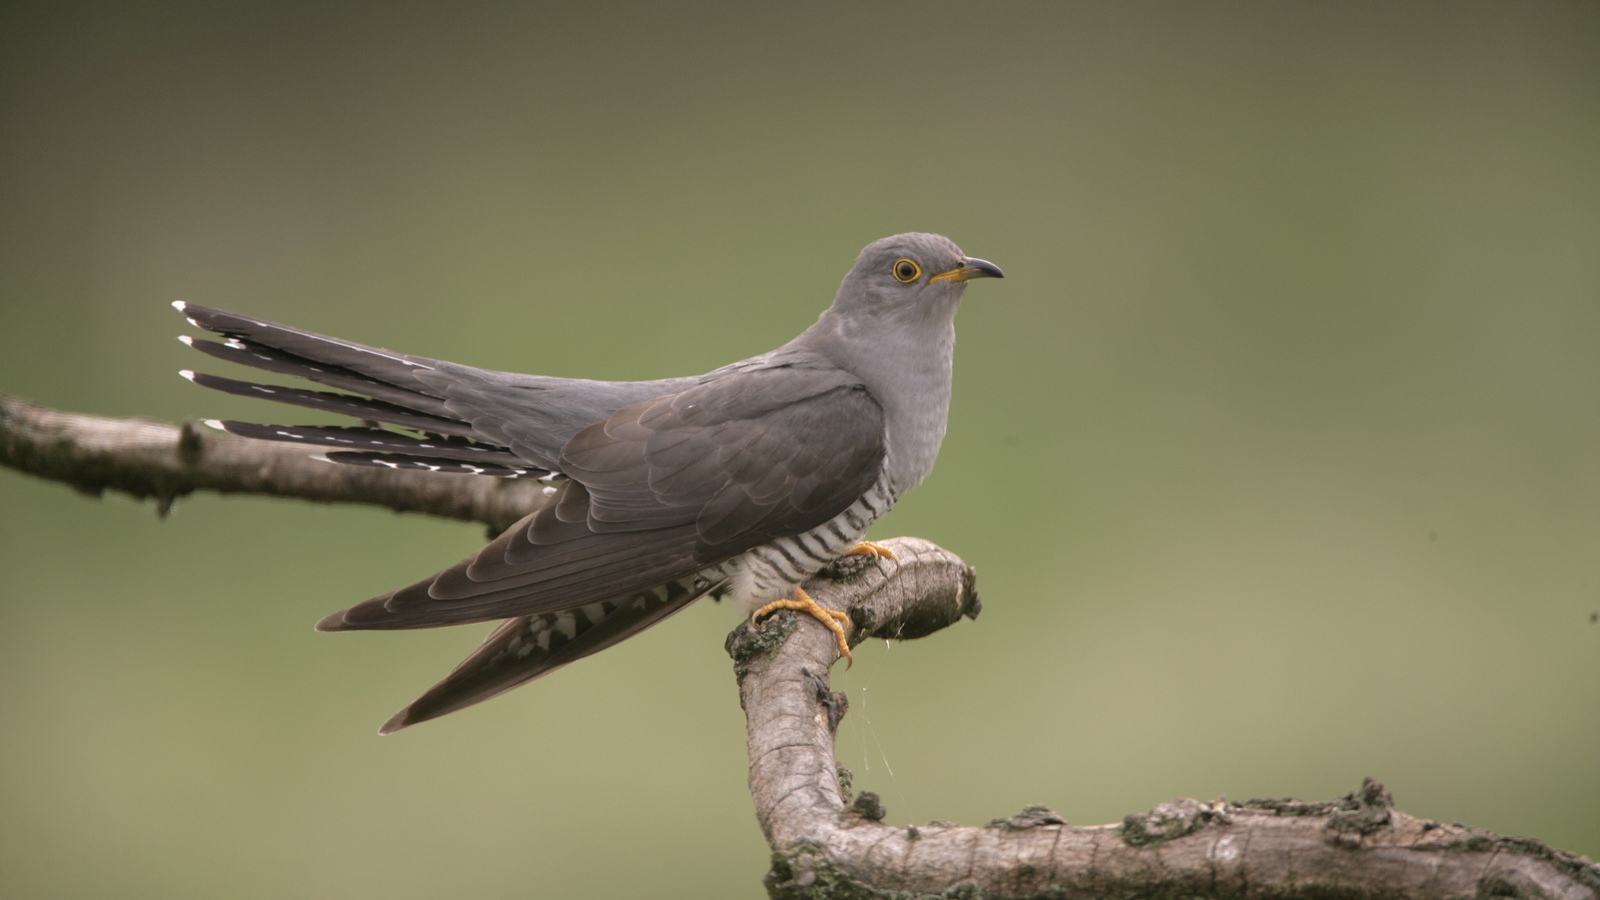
567,625
187,341
215,423
179,305
186,373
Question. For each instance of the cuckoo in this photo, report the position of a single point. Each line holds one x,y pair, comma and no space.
739,483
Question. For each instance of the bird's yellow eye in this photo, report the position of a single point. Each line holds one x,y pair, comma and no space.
906,271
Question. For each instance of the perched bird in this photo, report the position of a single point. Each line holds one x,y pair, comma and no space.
742,482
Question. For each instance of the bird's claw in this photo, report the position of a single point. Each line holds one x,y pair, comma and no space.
832,619
872,549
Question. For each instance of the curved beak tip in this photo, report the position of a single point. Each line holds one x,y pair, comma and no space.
971,268
979,268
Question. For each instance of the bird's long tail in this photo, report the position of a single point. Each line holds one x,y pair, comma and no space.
372,384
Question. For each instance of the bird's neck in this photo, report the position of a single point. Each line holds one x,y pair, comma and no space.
906,366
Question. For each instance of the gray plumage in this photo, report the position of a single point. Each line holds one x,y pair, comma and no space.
742,482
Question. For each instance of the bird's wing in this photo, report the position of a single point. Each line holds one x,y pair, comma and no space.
527,647
659,491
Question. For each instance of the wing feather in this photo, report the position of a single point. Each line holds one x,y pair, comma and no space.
660,490
527,647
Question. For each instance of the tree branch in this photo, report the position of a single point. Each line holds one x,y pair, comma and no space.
153,459
827,845
825,842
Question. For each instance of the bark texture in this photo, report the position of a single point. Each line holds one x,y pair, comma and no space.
828,843
154,459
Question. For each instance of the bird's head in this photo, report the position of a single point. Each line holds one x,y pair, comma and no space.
910,276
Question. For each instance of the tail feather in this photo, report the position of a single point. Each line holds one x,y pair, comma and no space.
531,415
364,443
267,359
428,463
522,649
387,366
340,404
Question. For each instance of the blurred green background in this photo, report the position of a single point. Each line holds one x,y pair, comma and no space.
1278,450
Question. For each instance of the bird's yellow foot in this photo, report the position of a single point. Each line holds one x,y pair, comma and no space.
832,619
868,548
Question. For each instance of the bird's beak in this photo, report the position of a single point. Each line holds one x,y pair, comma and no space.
970,269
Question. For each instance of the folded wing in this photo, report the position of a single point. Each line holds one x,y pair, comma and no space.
659,491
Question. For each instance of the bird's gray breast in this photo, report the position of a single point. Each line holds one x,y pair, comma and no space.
907,366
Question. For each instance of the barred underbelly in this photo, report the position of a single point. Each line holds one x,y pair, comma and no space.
773,570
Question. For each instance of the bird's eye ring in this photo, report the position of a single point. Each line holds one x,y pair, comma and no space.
906,271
